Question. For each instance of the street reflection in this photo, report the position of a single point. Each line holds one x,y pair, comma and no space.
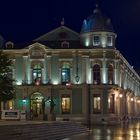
119,132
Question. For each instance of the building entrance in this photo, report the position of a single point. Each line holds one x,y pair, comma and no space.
36,106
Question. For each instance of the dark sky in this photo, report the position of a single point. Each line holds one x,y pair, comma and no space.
24,20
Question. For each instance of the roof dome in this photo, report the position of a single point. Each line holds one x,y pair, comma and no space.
97,22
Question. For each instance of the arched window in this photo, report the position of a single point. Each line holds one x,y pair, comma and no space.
37,74
65,44
65,73
96,74
110,74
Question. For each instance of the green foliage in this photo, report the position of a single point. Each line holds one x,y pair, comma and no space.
6,82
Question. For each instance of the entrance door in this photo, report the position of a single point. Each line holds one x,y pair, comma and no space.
36,106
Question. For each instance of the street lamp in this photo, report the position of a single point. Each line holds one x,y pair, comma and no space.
77,78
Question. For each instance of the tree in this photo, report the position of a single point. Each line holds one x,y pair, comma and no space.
7,88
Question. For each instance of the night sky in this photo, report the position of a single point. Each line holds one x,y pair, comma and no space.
24,20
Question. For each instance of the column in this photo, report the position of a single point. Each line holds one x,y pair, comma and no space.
25,69
116,73
71,76
29,72
43,77
60,76
90,76
83,69
48,68
30,78
104,102
104,72
44,70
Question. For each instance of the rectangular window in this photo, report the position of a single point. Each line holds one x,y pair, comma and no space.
96,40
65,75
109,41
65,104
96,103
10,105
36,73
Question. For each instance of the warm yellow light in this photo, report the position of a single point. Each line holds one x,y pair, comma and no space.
138,101
55,82
132,99
116,92
120,95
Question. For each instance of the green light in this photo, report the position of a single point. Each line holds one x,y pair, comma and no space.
24,101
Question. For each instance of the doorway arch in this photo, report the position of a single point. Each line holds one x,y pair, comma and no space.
36,105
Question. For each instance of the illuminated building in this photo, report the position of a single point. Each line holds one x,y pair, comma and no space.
68,66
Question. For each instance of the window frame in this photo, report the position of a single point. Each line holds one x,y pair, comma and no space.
109,41
66,69
37,70
97,97
110,74
66,110
65,44
96,42
96,74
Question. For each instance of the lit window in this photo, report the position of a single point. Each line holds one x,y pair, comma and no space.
96,103
96,74
96,40
65,73
109,41
110,74
111,103
65,104
37,74
36,104
10,105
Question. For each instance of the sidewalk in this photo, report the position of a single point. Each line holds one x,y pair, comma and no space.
83,136
21,122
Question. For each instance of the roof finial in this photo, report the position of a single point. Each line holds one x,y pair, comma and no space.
62,21
97,5
96,10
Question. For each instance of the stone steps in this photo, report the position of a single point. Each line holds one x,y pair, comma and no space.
48,131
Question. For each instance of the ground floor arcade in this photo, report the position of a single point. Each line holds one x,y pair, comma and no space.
76,102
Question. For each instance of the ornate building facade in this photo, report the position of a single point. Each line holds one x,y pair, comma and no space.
84,73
